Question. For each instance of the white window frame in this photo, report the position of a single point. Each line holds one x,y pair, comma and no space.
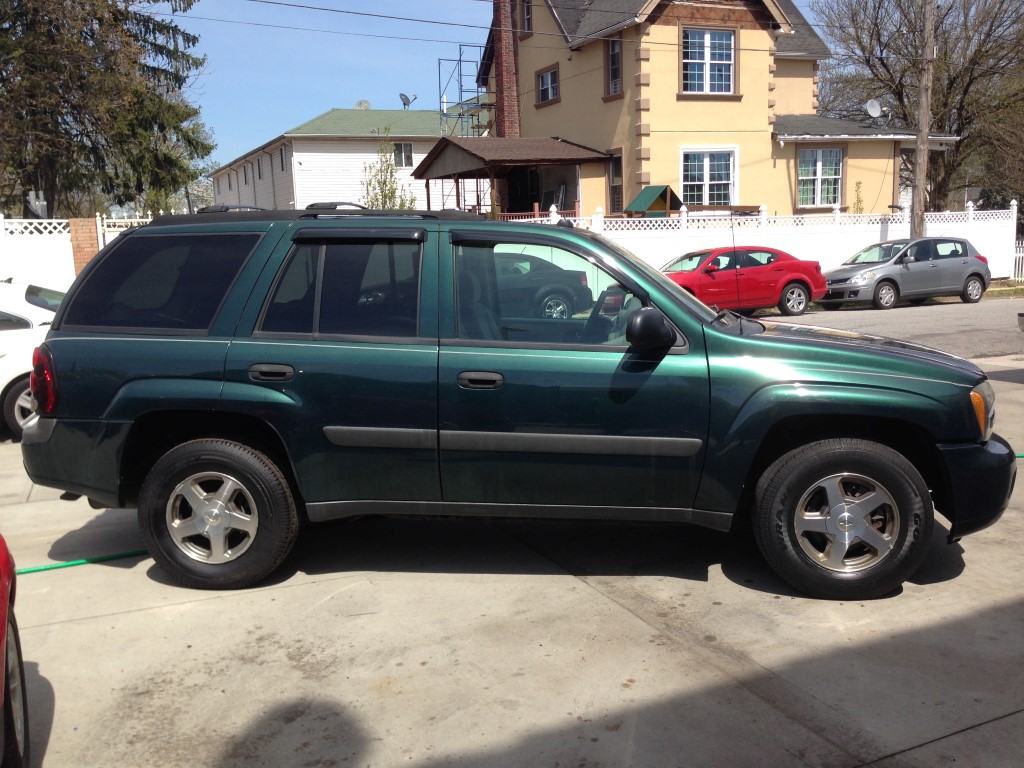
706,62
734,182
818,177
547,81
613,65
400,153
526,14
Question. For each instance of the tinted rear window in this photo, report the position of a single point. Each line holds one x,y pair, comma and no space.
174,282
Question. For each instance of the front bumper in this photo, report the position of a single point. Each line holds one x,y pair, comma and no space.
981,478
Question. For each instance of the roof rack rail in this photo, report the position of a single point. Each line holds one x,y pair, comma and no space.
334,206
221,208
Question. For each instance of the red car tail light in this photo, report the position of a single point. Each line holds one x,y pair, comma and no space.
583,280
982,258
43,382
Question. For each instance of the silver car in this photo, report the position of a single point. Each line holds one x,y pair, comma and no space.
914,270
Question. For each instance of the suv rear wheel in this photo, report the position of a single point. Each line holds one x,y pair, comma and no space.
843,518
216,514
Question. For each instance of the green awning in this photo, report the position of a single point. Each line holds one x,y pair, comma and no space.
657,198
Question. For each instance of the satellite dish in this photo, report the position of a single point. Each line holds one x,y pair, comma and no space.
872,107
362,104
406,101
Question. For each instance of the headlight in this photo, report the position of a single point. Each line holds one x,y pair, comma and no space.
863,277
983,399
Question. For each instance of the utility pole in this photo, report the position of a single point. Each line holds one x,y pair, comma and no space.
924,121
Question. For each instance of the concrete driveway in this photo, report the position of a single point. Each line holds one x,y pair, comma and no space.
496,644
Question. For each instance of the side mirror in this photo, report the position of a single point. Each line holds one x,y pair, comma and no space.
908,259
648,328
711,268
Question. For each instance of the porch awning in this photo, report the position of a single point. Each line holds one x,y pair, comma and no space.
485,156
657,198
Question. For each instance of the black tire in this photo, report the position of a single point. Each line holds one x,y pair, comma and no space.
794,299
974,288
240,538
16,734
814,495
886,295
17,406
556,306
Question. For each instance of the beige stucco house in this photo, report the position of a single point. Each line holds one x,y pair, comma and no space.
716,99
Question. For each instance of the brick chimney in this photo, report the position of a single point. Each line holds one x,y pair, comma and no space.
506,97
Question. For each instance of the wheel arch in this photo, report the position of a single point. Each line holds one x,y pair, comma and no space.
910,440
154,433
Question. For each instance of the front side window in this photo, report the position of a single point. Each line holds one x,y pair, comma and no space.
819,177
708,61
367,289
403,154
161,281
613,66
708,178
547,86
537,294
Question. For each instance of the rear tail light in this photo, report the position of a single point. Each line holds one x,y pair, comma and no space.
583,279
981,258
43,382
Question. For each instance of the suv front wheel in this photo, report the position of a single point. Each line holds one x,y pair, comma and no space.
216,514
843,518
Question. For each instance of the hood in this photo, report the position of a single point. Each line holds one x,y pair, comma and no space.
831,338
844,273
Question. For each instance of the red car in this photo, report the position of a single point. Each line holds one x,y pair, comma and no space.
749,278
14,734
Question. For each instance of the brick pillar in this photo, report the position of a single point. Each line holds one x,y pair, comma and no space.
84,241
506,85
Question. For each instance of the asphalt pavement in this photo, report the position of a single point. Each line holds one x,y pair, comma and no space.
481,643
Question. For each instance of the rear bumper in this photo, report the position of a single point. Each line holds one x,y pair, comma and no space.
78,456
981,478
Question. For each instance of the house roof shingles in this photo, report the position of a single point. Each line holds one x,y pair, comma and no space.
583,19
370,122
479,153
813,126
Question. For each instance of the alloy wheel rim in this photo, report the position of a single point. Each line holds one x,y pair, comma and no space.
847,523
212,518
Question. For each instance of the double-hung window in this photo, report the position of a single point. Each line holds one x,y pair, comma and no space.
526,17
403,154
709,177
819,177
708,61
547,86
613,66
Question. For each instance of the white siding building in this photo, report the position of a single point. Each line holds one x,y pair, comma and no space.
325,159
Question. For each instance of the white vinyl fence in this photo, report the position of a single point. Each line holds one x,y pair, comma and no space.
39,251
829,238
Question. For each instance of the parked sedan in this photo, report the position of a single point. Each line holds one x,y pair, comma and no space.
26,312
749,278
914,270
14,734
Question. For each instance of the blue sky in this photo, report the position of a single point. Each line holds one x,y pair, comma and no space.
272,65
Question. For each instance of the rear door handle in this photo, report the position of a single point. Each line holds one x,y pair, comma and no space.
480,380
271,372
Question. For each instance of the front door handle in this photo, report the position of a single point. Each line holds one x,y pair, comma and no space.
271,372
480,380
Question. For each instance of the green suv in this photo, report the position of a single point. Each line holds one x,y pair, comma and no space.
236,375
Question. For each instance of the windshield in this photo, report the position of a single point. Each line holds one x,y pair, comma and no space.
877,253
46,298
687,263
